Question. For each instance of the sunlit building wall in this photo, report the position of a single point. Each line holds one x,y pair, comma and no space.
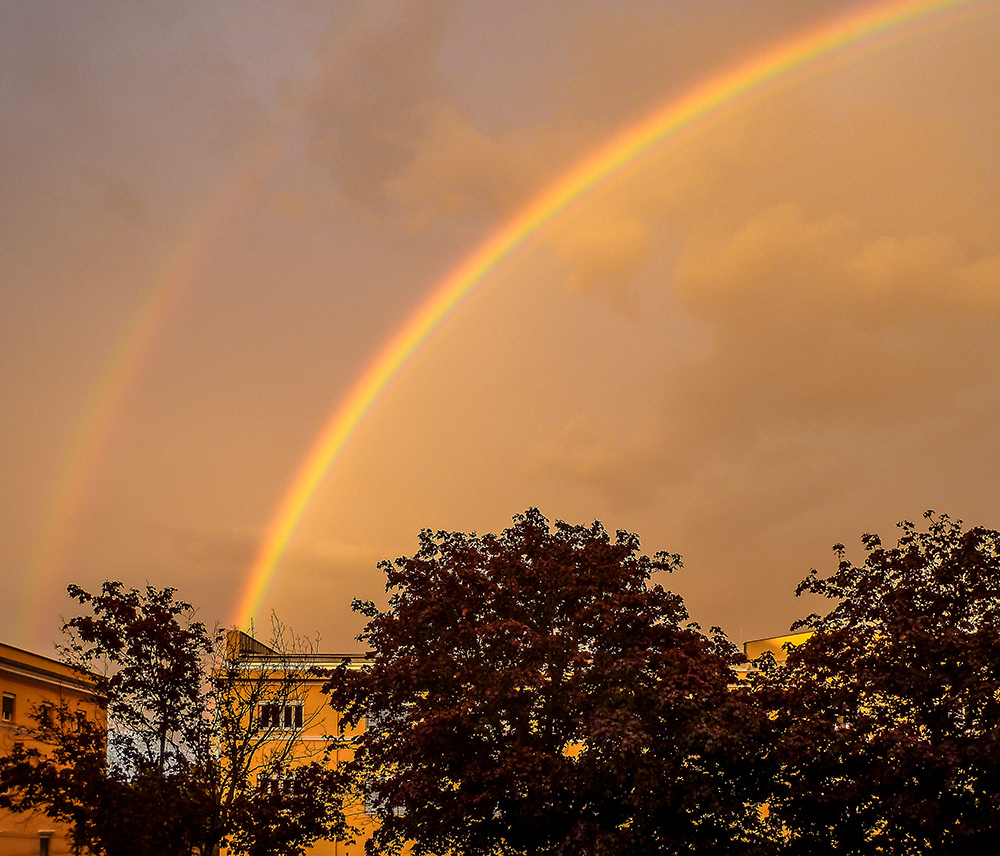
777,646
307,719
32,683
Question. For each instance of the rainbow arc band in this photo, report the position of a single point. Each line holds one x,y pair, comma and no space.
868,29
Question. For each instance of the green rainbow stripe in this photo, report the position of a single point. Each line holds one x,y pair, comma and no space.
871,24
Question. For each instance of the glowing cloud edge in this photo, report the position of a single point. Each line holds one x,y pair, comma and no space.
679,113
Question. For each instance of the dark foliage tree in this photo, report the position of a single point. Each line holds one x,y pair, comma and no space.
145,653
887,720
172,764
532,692
64,771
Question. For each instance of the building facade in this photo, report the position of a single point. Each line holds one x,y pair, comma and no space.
291,719
33,685
777,646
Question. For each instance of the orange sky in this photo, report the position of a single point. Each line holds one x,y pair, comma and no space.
768,336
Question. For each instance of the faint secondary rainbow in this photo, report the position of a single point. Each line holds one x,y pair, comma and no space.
169,283
867,28
176,276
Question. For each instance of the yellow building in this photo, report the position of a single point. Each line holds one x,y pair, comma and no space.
29,683
289,718
777,646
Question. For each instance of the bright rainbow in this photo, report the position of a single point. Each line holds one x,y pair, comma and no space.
868,28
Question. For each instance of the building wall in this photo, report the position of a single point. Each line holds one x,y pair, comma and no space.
777,645
319,720
27,681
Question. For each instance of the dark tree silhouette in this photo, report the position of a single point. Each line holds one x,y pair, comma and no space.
887,720
172,764
532,692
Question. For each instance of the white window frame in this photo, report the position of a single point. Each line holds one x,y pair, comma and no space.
9,707
289,716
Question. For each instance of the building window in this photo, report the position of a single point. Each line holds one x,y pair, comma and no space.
8,707
43,843
284,785
281,717
293,716
45,714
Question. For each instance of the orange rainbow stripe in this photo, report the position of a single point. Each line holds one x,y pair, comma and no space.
866,29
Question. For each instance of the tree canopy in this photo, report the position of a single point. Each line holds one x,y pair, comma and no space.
887,720
535,692
173,764
538,692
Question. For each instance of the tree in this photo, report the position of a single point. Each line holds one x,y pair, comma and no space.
533,692
120,781
145,653
65,772
176,762
887,720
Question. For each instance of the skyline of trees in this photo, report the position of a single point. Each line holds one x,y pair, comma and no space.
537,692
886,721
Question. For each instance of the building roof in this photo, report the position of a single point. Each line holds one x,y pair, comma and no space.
776,645
245,651
41,670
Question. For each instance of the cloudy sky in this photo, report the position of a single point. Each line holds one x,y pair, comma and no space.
772,332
